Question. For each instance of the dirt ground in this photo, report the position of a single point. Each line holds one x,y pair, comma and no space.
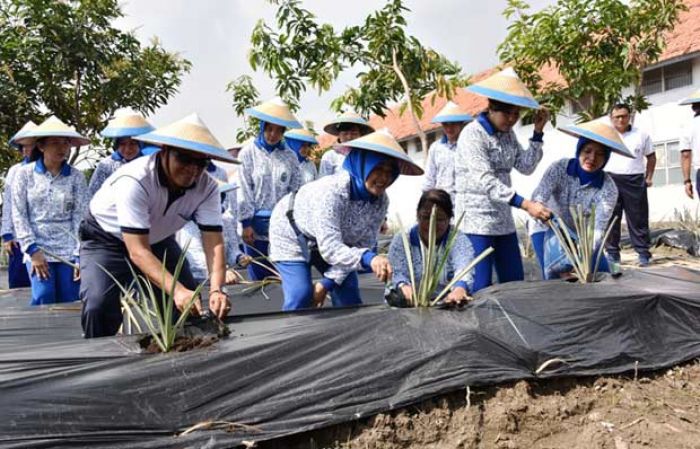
651,410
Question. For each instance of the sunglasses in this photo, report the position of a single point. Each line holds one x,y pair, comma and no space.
187,159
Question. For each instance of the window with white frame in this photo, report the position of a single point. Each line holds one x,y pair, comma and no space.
668,163
668,77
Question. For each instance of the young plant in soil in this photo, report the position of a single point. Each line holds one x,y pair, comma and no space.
581,250
155,312
434,262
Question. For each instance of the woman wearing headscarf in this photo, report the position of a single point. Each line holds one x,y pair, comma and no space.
333,222
346,127
300,141
460,256
268,171
121,129
578,181
440,167
17,276
49,199
487,151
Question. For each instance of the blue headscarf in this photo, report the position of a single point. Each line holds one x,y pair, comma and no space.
360,163
262,143
447,143
117,156
574,168
295,145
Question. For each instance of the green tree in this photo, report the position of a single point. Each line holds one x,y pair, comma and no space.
396,67
599,47
65,57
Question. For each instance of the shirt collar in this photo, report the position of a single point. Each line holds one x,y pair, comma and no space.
485,123
447,143
39,167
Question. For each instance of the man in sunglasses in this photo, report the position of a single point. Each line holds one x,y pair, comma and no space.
132,220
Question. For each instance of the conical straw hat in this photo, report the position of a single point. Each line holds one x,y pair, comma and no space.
53,127
452,113
127,125
20,137
189,133
693,98
275,111
301,134
351,118
505,86
601,132
383,142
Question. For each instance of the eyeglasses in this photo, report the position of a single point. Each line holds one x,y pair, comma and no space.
187,159
620,117
440,220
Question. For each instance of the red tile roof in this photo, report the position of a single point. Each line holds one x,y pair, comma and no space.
683,40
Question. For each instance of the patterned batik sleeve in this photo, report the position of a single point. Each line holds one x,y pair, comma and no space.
604,206
98,178
472,151
549,184
461,255
342,258
296,179
8,229
231,239
526,160
20,210
430,179
80,190
246,188
326,167
399,261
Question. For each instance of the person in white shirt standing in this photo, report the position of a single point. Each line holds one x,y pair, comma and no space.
690,145
632,178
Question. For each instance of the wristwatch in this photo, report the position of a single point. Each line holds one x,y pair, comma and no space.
687,181
218,291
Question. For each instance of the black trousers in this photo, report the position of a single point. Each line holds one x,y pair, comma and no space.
101,313
632,200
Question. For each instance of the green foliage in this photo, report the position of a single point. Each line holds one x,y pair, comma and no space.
600,48
65,57
156,313
245,95
581,251
301,53
434,262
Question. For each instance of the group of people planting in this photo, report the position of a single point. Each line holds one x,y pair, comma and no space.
160,192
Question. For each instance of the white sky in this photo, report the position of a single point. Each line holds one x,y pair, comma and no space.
214,35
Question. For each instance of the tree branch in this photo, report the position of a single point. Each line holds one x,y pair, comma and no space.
407,92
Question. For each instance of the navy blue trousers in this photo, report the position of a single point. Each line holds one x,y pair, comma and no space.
17,275
505,258
256,272
538,247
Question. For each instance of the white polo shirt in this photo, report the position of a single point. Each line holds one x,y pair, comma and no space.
690,139
135,199
640,144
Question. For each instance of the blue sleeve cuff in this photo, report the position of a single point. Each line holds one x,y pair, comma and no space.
516,201
32,249
461,284
328,284
7,237
248,222
537,137
367,259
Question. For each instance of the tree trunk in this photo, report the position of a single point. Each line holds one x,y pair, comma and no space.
407,92
76,116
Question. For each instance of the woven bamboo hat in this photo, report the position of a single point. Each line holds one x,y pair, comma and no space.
505,86
383,142
301,134
601,132
274,111
452,113
20,138
127,125
348,118
191,134
53,127
693,98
